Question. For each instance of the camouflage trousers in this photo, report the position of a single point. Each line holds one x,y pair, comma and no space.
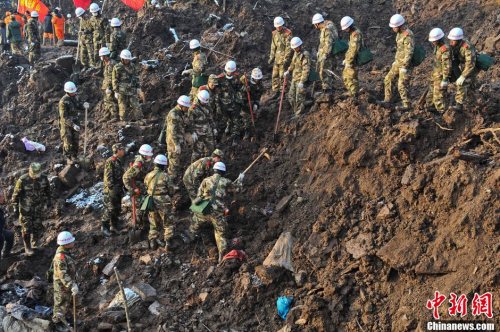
219,224
16,47
176,163
97,43
112,209
161,217
277,76
325,77
70,141
437,96
203,147
129,107
31,223
87,52
246,119
192,189
463,90
297,97
233,120
351,83
110,106
62,302
34,52
403,83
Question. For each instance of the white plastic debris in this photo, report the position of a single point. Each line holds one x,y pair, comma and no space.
32,146
172,31
131,296
228,27
91,197
281,254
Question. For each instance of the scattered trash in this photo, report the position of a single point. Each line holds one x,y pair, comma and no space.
150,64
32,146
235,254
44,312
283,305
281,254
132,298
228,27
172,31
91,197
256,282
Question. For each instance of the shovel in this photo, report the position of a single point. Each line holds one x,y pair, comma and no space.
263,153
275,135
134,235
74,313
85,162
249,101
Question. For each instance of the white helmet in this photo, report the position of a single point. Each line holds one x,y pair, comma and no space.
161,160
279,22
126,55
346,22
65,238
256,74
203,96
79,11
146,150
69,87
195,43
104,51
317,18
396,21
34,13
436,34
456,34
230,66
115,22
68,16
220,166
94,8
295,42
184,101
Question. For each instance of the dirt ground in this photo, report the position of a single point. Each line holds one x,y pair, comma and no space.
385,208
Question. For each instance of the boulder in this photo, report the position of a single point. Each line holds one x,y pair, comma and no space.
145,291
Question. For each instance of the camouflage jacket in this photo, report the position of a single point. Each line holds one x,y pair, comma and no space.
465,55
355,43
69,114
132,178
176,126
215,103
64,269
201,120
31,31
164,185
113,175
442,63
85,31
124,79
118,42
31,194
223,187
280,46
199,63
405,44
198,171
100,28
300,67
256,89
327,36
230,91
107,82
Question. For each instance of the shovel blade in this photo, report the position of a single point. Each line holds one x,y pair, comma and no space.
134,236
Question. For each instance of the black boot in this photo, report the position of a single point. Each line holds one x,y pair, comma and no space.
153,245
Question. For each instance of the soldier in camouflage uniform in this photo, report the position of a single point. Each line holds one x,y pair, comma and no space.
125,82
405,45
85,39
255,87
14,36
64,280
464,54
31,198
32,35
113,190
199,65
215,105
202,126
217,189
231,100
110,103
299,69
177,126
281,53
199,170
437,94
118,39
350,73
100,30
327,37
69,121
161,189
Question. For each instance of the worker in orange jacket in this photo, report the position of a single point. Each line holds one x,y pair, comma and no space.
58,22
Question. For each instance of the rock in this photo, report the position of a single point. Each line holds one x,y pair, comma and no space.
154,308
408,175
300,278
410,128
104,326
145,291
360,245
9,323
20,270
203,296
65,61
385,212
492,44
301,321
402,252
71,175
281,254
146,259
210,270
109,268
283,203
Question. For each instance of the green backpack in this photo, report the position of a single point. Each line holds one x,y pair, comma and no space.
200,80
340,46
147,204
313,76
364,56
418,55
484,61
204,207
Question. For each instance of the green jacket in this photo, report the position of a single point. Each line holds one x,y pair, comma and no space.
14,32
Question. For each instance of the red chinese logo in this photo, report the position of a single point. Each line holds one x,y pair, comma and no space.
435,303
481,304
458,306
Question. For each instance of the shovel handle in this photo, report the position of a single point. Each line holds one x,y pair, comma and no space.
255,160
280,106
134,212
249,101
74,313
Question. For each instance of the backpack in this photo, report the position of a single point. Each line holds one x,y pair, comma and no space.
340,46
484,61
419,55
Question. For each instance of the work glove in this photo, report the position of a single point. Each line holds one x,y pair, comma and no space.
108,91
74,289
187,72
287,73
215,132
177,149
460,80
240,178
194,137
270,61
300,85
116,95
255,107
76,127
444,84
402,71
86,105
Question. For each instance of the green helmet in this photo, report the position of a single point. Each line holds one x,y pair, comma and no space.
117,146
35,170
213,79
218,153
